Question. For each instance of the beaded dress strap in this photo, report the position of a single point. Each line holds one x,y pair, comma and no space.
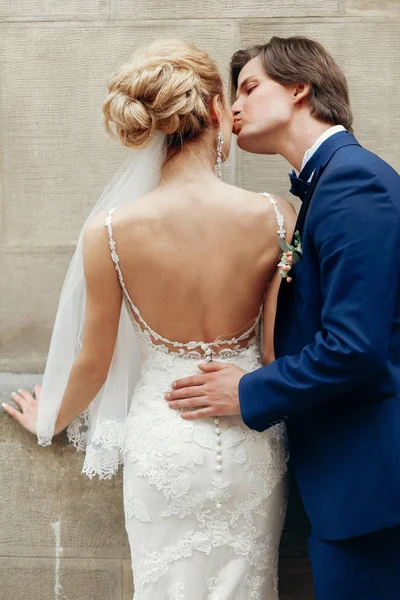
156,336
279,217
115,259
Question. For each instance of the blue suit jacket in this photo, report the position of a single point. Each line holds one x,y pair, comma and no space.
336,377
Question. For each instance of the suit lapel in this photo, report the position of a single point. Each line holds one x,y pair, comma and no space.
306,202
317,164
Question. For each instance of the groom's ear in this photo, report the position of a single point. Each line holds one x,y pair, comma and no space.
300,92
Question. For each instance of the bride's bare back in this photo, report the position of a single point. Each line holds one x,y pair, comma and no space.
196,259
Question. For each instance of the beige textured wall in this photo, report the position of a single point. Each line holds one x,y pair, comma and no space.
55,58
57,528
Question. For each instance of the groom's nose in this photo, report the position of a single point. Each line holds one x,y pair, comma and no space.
236,108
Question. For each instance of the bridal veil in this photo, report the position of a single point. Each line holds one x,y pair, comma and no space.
100,428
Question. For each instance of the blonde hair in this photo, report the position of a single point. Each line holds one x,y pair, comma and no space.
168,87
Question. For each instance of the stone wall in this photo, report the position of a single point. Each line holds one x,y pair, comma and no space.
55,59
57,527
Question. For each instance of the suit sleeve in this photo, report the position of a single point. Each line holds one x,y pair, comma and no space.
355,232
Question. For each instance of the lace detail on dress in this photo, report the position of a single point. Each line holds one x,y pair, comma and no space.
212,588
177,591
104,453
182,347
227,514
204,500
78,430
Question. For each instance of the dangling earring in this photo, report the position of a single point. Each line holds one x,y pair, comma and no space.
220,143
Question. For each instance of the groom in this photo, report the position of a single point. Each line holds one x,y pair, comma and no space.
336,377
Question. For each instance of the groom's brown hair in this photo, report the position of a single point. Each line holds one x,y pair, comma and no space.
297,59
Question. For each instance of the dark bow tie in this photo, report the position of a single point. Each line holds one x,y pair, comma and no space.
299,186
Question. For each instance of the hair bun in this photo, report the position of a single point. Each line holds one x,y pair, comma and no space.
167,87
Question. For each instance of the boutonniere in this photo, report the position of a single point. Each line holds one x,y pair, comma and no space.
291,254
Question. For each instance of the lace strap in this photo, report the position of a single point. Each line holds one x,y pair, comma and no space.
115,259
279,217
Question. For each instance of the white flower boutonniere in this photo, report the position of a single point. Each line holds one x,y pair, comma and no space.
291,254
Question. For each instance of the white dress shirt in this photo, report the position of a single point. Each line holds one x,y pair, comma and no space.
327,134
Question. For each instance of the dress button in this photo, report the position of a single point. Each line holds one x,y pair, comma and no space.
208,358
218,505
217,430
208,352
219,458
219,467
216,421
218,450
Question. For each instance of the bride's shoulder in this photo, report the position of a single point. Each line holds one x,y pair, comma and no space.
128,214
270,211
265,201
278,203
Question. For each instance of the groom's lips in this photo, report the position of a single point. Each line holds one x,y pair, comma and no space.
236,126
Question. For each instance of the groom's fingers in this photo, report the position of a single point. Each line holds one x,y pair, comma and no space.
195,402
194,380
192,415
212,366
190,392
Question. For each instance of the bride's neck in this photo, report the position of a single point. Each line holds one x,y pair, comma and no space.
191,162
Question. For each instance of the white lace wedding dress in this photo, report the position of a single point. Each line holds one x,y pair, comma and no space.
204,500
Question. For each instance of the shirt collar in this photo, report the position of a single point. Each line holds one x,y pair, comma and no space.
319,141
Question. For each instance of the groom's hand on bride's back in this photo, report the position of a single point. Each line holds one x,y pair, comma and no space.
212,393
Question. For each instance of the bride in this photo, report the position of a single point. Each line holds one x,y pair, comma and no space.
169,255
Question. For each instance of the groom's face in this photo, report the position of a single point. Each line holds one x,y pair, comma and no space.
262,110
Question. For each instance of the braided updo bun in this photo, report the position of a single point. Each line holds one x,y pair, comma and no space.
168,87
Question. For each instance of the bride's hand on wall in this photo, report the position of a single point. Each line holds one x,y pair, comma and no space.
28,404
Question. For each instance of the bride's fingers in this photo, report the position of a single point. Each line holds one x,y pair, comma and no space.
37,390
27,396
13,412
19,399
27,416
